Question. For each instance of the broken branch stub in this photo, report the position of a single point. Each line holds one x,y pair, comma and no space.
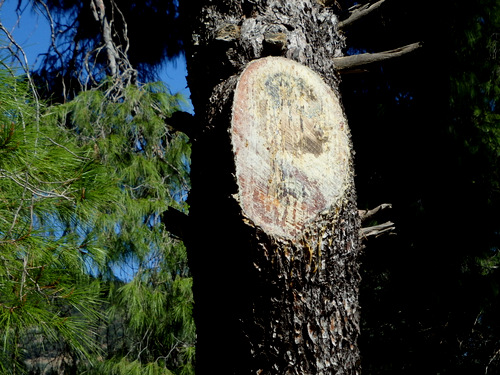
358,12
291,145
354,61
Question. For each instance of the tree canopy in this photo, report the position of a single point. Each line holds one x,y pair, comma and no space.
131,291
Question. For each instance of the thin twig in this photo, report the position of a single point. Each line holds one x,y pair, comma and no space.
34,190
24,61
68,150
14,221
366,214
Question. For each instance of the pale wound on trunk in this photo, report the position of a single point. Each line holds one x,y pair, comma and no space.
291,145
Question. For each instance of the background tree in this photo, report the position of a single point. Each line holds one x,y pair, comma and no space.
99,39
51,189
150,322
146,323
426,292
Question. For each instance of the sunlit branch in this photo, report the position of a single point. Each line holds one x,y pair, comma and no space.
354,61
18,210
359,11
99,12
377,230
366,214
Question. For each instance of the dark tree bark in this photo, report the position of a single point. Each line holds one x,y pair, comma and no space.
276,287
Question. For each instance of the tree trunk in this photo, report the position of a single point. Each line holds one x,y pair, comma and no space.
274,239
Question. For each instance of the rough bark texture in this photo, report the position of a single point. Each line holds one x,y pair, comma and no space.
266,301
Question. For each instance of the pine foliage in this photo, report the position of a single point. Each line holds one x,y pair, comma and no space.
475,86
50,188
108,168
90,278
150,327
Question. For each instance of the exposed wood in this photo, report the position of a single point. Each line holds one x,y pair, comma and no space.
291,145
359,11
366,214
349,62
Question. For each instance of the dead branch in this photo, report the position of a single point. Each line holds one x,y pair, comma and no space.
99,12
377,230
23,60
359,11
349,62
118,65
366,214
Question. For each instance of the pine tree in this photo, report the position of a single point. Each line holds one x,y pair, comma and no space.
51,190
149,326
270,129
145,319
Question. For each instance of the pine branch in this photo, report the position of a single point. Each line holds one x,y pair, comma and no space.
366,214
36,191
359,11
377,230
354,61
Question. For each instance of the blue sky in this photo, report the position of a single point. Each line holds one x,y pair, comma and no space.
31,31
